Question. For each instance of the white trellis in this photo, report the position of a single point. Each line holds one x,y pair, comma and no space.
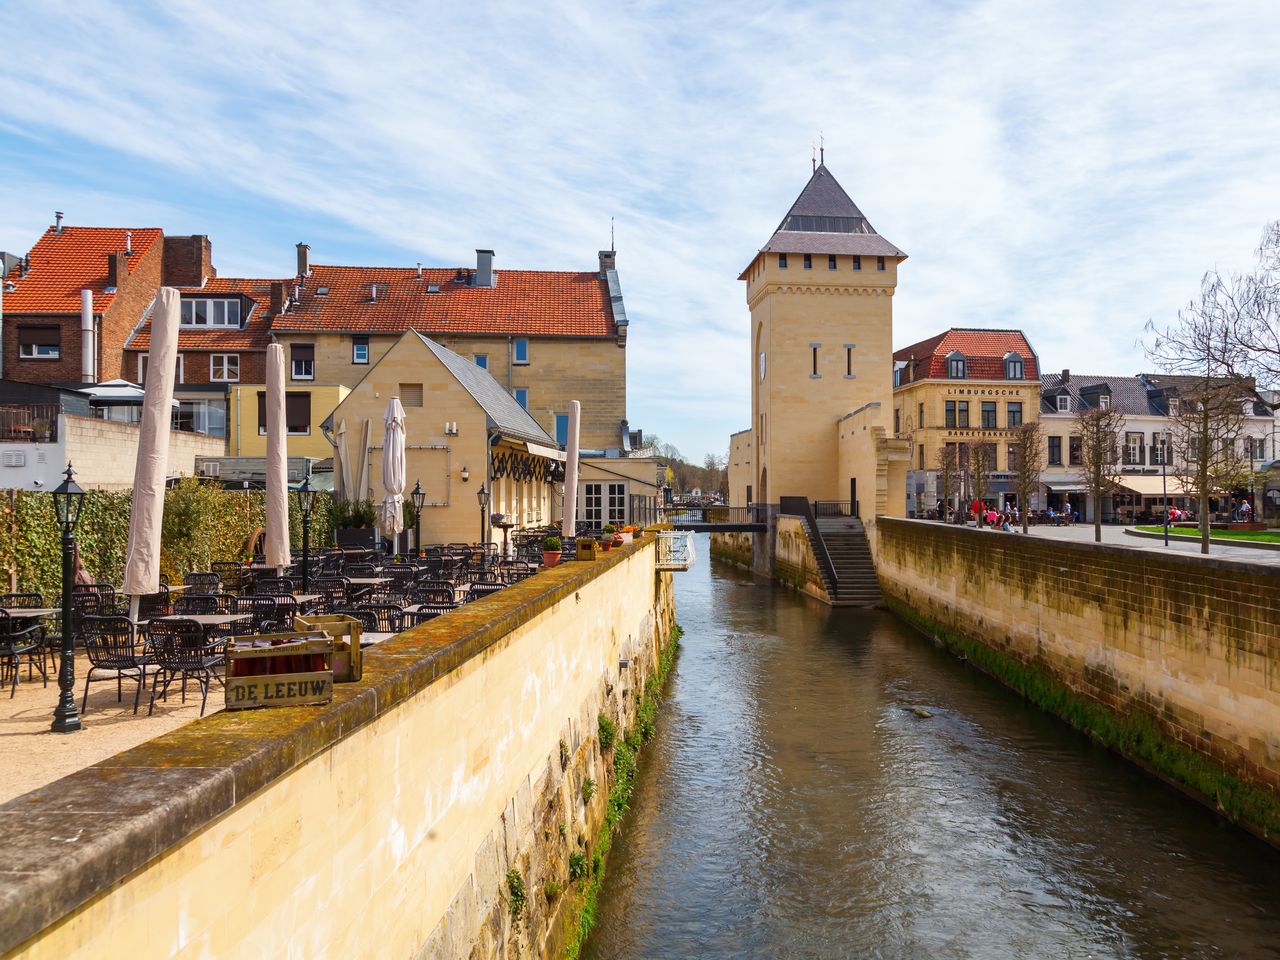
675,549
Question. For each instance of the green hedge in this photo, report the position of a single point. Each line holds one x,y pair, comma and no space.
202,523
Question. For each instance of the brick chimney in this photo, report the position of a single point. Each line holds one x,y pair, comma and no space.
188,261
117,268
1066,376
304,262
608,260
277,298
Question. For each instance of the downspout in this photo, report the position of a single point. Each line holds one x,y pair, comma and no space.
86,336
510,362
12,574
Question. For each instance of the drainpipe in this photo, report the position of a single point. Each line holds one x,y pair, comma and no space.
511,347
2,330
86,336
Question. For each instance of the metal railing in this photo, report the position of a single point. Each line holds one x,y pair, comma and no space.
29,422
835,508
755,513
675,550
799,507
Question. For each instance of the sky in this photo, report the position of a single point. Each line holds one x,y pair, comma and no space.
1068,169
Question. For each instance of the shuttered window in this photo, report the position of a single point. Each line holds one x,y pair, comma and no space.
297,413
39,343
411,394
302,357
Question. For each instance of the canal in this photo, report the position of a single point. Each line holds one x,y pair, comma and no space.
796,804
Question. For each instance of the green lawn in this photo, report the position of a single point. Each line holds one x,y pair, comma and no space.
1270,536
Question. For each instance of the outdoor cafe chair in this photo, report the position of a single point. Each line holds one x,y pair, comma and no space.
263,611
286,609
273,586
203,582
197,603
482,588
105,596
158,604
21,600
368,619
359,570
424,613
114,653
335,591
230,573
182,650
433,591
22,637
389,616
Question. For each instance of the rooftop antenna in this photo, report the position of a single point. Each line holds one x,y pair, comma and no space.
611,246
822,149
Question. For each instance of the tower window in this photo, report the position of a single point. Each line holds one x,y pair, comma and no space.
808,261
848,361
831,261
782,261
813,348
880,264
857,263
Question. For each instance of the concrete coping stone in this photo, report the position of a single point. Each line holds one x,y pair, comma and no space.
1229,566
72,840
1220,541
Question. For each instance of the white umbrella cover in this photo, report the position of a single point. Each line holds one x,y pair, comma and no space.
276,546
340,460
393,469
146,514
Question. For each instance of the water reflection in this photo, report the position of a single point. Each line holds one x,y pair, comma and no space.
795,805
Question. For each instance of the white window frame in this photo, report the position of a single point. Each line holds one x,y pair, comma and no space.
213,368
357,344
227,306
616,502
1063,403
593,503
34,352
308,365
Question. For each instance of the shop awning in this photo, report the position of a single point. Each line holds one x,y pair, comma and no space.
1066,485
1153,485
550,453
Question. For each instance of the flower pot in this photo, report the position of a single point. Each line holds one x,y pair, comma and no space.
606,545
627,536
550,557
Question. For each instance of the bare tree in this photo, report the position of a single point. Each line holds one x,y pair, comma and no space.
948,474
981,463
1025,449
1099,429
1207,425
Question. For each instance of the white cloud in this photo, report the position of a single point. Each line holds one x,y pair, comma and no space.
1070,169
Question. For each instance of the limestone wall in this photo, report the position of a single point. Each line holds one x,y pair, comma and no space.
1182,652
733,548
384,824
105,452
794,563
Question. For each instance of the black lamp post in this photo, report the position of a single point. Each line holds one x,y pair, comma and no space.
1164,485
306,503
482,496
68,498
419,498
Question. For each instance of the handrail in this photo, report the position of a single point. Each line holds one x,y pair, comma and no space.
799,506
835,508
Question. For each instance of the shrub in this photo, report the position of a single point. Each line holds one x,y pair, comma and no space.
608,731
609,529
516,895
551,544
577,866
588,790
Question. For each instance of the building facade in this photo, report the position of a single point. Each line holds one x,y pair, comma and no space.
959,387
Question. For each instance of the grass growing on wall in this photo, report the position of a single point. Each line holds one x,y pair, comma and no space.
625,767
1132,733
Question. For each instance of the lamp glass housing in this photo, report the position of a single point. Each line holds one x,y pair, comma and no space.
68,498
419,497
482,497
306,497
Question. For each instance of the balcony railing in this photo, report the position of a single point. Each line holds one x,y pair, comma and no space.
29,422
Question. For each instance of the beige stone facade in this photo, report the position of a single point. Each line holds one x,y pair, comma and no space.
741,469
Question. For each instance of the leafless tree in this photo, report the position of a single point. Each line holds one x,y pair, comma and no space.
1099,430
1026,448
948,473
1207,426
1232,329
981,463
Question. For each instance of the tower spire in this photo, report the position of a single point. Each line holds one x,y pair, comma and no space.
822,149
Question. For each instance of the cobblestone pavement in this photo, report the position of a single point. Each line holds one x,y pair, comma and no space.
1116,535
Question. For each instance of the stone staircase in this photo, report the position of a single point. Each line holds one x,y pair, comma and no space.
846,541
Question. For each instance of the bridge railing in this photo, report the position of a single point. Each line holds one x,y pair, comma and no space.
755,513
835,508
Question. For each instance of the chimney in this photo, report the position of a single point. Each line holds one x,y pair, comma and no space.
608,260
373,293
304,260
188,261
87,365
419,269
277,298
117,268
1066,376
128,243
57,221
484,268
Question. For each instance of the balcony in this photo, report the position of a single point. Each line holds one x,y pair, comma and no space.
29,422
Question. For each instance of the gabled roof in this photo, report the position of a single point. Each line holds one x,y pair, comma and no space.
504,414
824,219
984,352
1165,385
64,263
254,335
522,303
1128,393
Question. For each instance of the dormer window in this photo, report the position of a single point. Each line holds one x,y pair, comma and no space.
1175,407
1013,367
1064,403
211,313
956,365
1104,401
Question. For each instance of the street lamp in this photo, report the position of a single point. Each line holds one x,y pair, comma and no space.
1164,484
68,498
482,497
306,503
419,498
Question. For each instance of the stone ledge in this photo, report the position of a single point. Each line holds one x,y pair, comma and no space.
1220,541
75,838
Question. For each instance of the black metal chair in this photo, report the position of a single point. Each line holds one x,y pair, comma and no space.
286,610
433,591
273,586
368,619
424,613
197,603
114,653
159,604
389,616
28,600
264,611
336,592
203,581
181,650
482,588
21,637
231,573
359,570
105,601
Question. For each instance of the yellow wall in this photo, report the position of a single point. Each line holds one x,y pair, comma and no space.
935,393
243,438
741,468
879,461
394,838
590,370
790,309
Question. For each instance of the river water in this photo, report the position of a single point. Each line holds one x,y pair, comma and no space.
794,805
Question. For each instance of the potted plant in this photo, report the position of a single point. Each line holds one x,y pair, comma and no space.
606,539
628,534
551,551
614,534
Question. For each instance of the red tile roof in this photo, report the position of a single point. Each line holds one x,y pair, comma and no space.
523,302
63,264
984,352
255,335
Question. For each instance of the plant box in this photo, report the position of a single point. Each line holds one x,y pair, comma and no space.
279,670
587,549
348,661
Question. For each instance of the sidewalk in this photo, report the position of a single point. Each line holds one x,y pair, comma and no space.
1083,533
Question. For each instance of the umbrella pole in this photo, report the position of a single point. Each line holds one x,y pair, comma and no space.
133,607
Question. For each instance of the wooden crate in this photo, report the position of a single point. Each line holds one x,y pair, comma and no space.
348,661
588,549
297,671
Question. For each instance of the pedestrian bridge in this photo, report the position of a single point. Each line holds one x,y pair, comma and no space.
715,519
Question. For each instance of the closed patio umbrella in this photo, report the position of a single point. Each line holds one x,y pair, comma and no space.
393,471
146,514
276,546
360,464
340,482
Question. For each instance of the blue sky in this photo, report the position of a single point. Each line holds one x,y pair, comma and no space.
1070,169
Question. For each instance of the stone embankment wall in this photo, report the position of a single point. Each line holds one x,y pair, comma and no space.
733,548
794,563
430,810
1173,660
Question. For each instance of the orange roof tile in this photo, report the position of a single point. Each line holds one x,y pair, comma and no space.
524,302
254,335
983,350
63,264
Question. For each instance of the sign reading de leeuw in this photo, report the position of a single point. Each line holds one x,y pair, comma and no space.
280,690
